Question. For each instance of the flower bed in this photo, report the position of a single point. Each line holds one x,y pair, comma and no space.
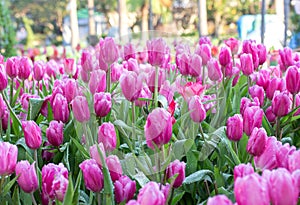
208,125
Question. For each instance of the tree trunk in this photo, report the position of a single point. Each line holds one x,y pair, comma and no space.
74,24
145,8
123,34
92,27
202,15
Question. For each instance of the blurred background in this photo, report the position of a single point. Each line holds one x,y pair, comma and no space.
32,25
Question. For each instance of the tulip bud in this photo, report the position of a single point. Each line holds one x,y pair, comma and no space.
195,65
242,170
3,78
146,94
132,65
263,78
270,115
174,168
129,51
114,167
51,68
124,189
32,134
234,128
131,85
157,51
80,109
251,189
214,70
39,68
109,50
88,60
60,108
27,180
283,154
151,79
92,174
116,72
70,89
257,91
182,62
292,80
225,56
262,53
102,104
281,104
97,81
257,141
198,112
286,57
96,155
219,200
12,67
54,133
107,135
246,102
25,67
8,156
252,118
275,84
158,133
282,187
233,44
204,51
151,194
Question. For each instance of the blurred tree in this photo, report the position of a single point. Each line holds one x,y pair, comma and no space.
92,26
7,34
74,23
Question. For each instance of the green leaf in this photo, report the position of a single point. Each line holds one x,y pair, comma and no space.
219,178
8,186
69,194
16,196
141,178
34,108
266,124
177,197
181,147
77,189
199,176
17,94
82,150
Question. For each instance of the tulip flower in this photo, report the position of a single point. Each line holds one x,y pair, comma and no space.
131,85
70,89
262,53
3,78
102,104
283,154
107,135
257,91
157,52
150,194
39,68
281,104
270,115
275,84
114,166
96,155
124,189
25,66
246,102
12,67
233,44
151,79
132,65
145,94
293,161
219,200
225,56
292,80
198,112
88,60
97,81
129,51
286,57
80,109
8,156
92,174
109,50
54,133
214,70
204,51
263,78
176,167
27,179
257,141
250,47
252,117
242,170
158,133
234,128
60,108
195,65
32,134
247,64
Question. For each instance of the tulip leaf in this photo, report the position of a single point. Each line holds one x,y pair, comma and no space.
199,176
82,150
16,196
141,178
266,124
181,147
34,108
69,193
177,197
77,189
9,185
17,94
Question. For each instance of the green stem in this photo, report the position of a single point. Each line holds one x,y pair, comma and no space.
203,75
87,137
294,102
1,129
33,87
156,87
249,82
11,91
36,160
23,85
207,187
233,61
278,135
236,148
172,194
10,109
33,199
99,198
108,79
38,88
201,131
2,181
133,121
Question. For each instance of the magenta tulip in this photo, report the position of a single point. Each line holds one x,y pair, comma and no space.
182,62
293,161
195,65
96,155
124,189
219,200
263,78
270,115
234,128
283,154
247,64
27,180
257,141
157,52
281,104
97,81
109,50
158,133
252,118
214,70
12,67
3,78
32,134
25,66
151,194
176,167
129,51
242,170
39,69
107,135
225,56
257,91
151,79
8,156
275,84
92,174
132,65
102,104
286,57
70,88
204,51
233,44
246,102
131,85
292,79
54,133
80,109
114,166
196,108
60,108
262,53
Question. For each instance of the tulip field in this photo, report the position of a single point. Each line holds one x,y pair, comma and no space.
164,123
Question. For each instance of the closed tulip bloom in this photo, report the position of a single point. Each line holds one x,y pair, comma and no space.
234,127
131,85
281,104
150,194
97,81
196,108
70,88
32,134
167,91
182,62
129,51
262,53
52,68
157,51
214,70
293,161
225,56
263,78
246,102
107,135
283,154
124,189
204,51
88,60
80,109
54,182
96,155
102,104
257,141
275,84
146,94
219,200
242,170
195,65
257,91
114,166
233,44
286,57
116,71
151,79
270,115
176,167
251,190
60,108
54,133
27,179
39,69
267,160
132,65
109,50
25,67
92,174
158,133
282,187
252,118
8,156
12,67
292,79
247,64
3,78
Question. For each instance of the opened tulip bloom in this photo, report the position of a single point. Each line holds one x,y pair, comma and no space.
8,156
124,189
114,166
32,134
92,174
174,168
27,179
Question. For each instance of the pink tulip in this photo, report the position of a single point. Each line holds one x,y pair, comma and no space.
92,174
214,70
195,65
283,154
12,67
196,108
80,109
60,108
292,80
249,46
124,189
131,85
251,190
270,115
282,187
247,64
233,44
263,78
286,57
97,81
204,40
27,180
150,194
281,104
275,84
157,52
3,78
234,128
109,50
246,102
242,170
182,62
32,134
158,133
257,91
88,60
293,161
225,56
114,167
132,65
267,160
296,177
107,135
70,88
51,68
96,155
262,53
146,94
39,69
151,79
8,156
176,167
204,51
252,118
132,202
167,91
257,141
102,104
116,71
54,133
129,51
219,200
54,182
190,89
25,66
